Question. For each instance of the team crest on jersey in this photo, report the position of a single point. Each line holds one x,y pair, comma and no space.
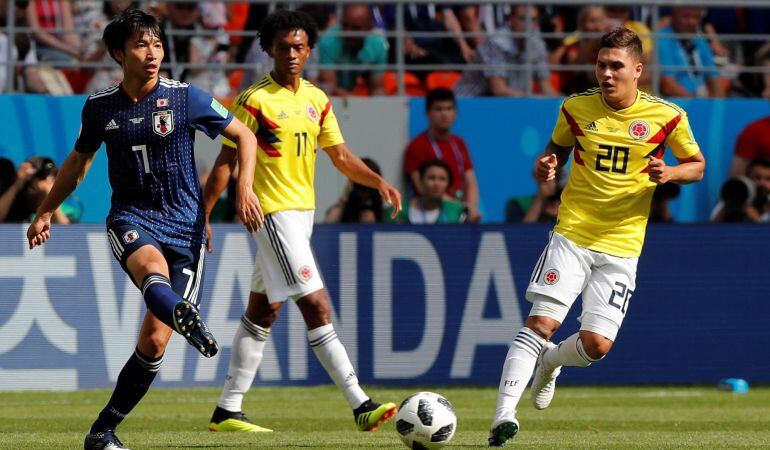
639,129
130,236
312,113
163,122
305,273
551,276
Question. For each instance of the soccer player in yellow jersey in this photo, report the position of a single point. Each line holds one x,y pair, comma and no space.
290,118
617,136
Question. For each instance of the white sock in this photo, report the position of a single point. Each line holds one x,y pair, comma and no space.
330,351
517,370
245,356
569,352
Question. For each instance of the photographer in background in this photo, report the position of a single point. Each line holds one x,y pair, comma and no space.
745,198
32,182
358,203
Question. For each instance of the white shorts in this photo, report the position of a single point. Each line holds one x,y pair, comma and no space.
566,270
285,266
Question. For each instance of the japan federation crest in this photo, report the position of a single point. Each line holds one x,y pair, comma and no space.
130,236
639,129
312,113
551,276
163,122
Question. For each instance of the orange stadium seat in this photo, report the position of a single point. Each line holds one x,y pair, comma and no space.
445,80
412,86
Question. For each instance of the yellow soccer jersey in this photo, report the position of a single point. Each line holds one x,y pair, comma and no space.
290,126
607,199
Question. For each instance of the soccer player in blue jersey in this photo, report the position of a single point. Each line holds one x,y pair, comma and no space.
156,223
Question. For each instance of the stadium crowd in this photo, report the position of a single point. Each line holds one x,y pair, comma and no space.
211,33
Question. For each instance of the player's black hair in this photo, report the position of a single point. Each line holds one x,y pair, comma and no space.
623,38
436,163
283,19
439,95
758,162
119,31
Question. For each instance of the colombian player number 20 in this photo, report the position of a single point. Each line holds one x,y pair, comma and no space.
616,157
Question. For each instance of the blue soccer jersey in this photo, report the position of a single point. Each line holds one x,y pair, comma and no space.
150,156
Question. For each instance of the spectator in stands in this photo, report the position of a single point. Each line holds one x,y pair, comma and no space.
543,207
95,50
752,143
660,210
45,16
207,49
439,142
434,50
33,180
699,77
763,60
582,49
745,198
432,206
7,48
180,17
501,49
370,50
358,203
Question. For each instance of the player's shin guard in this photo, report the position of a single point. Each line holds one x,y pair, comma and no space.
133,382
569,352
517,370
246,354
160,298
331,353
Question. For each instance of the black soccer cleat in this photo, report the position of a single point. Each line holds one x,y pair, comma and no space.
502,431
103,440
190,324
370,415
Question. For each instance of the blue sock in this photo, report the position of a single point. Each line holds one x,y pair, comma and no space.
133,382
160,298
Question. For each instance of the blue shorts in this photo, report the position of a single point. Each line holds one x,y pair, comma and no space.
185,264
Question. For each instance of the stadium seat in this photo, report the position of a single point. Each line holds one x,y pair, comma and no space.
445,80
413,87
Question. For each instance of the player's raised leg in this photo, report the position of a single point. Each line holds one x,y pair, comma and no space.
149,268
133,382
245,358
333,357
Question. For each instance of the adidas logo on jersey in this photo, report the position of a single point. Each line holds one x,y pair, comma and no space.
591,127
283,115
111,126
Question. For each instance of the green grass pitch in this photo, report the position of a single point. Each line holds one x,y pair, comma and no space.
317,417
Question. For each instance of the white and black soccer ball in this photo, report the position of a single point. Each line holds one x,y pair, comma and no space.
426,420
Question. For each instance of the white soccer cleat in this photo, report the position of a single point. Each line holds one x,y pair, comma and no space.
544,380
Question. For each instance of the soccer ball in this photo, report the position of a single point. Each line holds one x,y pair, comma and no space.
425,421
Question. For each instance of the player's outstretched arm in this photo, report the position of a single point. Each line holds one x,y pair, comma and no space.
216,183
72,172
689,170
246,202
352,167
554,158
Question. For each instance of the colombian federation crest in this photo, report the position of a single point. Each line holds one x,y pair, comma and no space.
551,277
639,129
163,122
312,113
